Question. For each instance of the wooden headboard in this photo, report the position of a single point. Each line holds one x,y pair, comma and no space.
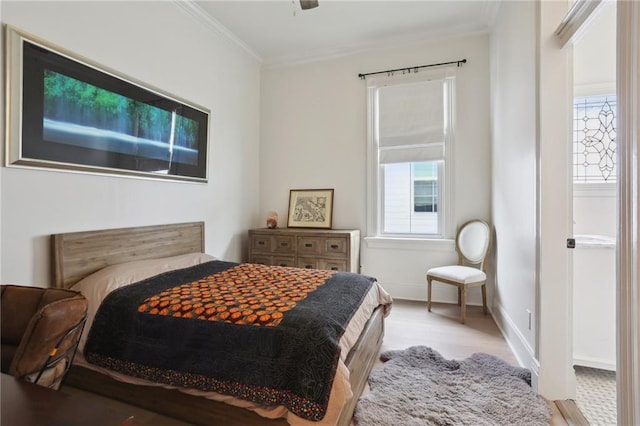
78,254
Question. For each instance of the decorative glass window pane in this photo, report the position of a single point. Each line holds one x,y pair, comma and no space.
594,141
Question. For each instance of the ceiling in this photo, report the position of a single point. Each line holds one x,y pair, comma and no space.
279,31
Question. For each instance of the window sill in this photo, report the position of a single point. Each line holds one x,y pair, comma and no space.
399,243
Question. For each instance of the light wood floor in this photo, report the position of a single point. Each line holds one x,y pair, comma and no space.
408,324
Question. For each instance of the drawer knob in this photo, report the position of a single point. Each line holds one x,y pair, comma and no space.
283,264
260,243
308,245
284,244
334,268
308,266
334,246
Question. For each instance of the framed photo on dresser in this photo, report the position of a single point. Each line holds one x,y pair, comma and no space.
310,208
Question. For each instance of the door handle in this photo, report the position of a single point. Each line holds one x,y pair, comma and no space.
571,243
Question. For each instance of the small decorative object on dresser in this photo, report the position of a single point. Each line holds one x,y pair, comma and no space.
310,208
272,220
337,250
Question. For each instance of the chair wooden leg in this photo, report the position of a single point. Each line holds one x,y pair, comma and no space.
484,299
463,303
428,294
459,293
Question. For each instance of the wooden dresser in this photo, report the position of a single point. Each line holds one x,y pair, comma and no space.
334,249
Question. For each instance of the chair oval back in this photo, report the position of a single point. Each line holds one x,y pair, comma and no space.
473,241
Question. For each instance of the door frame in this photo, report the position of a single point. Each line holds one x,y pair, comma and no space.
554,341
628,254
628,182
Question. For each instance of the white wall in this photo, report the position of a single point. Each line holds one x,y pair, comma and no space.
157,43
314,136
513,77
531,95
594,55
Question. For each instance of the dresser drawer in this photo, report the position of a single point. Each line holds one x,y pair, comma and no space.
284,261
284,244
310,245
333,265
261,259
322,246
337,246
273,260
261,243
328,264
307,263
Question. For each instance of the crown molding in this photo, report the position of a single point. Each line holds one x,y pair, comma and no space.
191,8
433,36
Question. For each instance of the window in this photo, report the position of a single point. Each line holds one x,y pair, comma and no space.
425,187
410,135
594,140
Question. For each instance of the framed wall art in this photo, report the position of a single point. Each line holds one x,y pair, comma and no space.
310,208
67,112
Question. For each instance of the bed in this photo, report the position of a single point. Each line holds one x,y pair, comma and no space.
77,258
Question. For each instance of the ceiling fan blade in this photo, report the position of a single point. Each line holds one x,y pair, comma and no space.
308,4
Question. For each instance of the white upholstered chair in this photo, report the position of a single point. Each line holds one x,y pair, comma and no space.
472,244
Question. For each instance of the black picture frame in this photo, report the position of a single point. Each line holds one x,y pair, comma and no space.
66,112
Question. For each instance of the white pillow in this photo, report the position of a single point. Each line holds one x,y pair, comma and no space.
97,286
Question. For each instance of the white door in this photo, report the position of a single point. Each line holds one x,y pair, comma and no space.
594,180
595,192
628,194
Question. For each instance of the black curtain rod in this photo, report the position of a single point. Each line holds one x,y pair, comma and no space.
415,69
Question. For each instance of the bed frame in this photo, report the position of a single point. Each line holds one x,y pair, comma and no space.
78,254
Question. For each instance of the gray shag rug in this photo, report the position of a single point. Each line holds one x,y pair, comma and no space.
417,386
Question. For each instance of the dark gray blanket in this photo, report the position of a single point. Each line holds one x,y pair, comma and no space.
265,334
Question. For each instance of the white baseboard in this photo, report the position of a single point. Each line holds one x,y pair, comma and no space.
517,343
519,346
441,293
600,364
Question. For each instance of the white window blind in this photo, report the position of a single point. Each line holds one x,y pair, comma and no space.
411,126
411,122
